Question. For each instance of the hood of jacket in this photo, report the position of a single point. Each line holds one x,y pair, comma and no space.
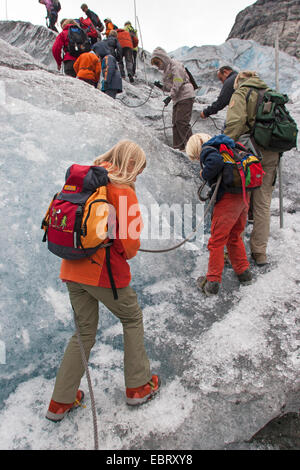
217,140
161,54
254,82
101,49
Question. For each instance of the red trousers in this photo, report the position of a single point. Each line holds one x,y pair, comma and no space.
228,223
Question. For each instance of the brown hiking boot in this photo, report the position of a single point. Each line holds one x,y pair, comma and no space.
208,287
259,258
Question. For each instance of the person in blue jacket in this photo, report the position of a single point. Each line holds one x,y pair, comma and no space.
229,214
111,84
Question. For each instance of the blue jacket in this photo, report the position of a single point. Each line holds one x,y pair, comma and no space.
212,161
112,79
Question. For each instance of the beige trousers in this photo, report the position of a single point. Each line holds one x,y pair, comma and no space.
261,203
84,300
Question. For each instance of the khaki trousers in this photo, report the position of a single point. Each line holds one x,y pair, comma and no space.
84,300
261,203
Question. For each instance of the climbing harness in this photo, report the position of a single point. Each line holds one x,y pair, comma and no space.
86,367
211,203
137,105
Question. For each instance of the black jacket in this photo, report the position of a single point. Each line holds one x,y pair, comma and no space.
94,18
224,96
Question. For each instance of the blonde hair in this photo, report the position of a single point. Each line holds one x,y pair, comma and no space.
194,145
125,160
244,75
63,23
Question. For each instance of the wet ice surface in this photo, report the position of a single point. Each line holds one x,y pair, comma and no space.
227,364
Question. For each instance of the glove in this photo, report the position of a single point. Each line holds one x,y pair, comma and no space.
167,100
158,84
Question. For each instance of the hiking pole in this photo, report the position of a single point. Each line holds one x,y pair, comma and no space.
210,204
280,155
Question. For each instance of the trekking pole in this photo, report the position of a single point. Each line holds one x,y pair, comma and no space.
142,48
279,163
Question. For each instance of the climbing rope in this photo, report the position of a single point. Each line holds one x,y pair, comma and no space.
211,203
218,128
86,367
137,105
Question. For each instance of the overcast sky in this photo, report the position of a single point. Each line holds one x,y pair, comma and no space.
166,23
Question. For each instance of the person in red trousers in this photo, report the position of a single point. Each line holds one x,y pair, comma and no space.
229,214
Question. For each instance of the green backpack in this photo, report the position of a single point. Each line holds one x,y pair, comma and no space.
274,128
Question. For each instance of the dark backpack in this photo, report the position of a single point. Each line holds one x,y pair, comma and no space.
274,128
242,171
78,41
56,5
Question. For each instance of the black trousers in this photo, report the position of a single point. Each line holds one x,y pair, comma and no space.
52,19
69,69
127,53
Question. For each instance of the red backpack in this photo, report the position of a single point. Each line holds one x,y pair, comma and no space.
79,220
76,222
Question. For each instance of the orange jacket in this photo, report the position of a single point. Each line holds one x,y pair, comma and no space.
88,66
124,38
125,244
109,27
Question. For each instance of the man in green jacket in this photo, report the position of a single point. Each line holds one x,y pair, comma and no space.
240,120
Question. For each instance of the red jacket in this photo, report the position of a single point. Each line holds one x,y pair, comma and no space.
124,38
61,43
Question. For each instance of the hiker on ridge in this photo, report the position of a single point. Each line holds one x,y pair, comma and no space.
112,81
89,283
52,7
94,18
240,119
177,82
125,41
133,32
227,76
109,26
88,68
61,45
113,45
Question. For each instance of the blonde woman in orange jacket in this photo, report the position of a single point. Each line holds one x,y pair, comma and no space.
89,282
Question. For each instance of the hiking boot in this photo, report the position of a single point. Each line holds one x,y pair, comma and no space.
57,411
139,395
208,287
131,79
259,258
245,277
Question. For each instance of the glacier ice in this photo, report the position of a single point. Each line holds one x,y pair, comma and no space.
227,364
